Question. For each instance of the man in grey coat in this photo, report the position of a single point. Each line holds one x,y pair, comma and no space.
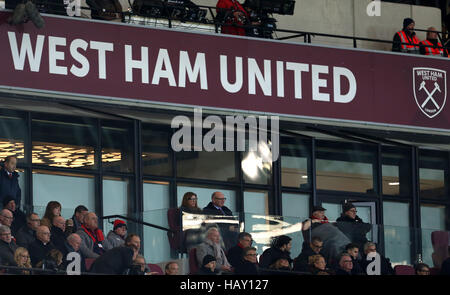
116,237
93,241
212,246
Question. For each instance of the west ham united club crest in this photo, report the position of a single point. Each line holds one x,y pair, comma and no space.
430,90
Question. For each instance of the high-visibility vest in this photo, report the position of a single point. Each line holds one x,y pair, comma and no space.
433,50
413,42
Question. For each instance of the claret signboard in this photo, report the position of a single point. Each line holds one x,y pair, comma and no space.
125,62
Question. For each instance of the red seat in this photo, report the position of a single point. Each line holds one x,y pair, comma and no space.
155,268
193,264
434,271
175,237
440,242
89,262
404,270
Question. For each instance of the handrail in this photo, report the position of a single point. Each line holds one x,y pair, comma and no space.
137,221
37,271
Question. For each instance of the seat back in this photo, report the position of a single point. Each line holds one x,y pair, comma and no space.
404,270
175,237
193,264
89,262
440,242
155,268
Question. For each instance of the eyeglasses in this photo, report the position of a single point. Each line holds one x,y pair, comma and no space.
353,211
317,247
24,256
251,254
348,261
7,217
47,234
192,199
424,270
221,199
5,234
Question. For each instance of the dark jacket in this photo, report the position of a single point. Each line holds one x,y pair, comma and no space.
386,267
20,220
38,251
10,187
25,236
203,271
341,272
271,255
76,224
234,255
302,260
114,262
211,210
7,253
58,238
246,268
357,269
68,249
445,267
354,229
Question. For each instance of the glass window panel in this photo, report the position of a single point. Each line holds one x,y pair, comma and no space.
333,211
432,219
156,158
255,168
295,160
156,203
397,238
12,135
117,148
63,144
345,167
70,190
204,196
115,196
256,202
207,165
396,171
433,166
295,209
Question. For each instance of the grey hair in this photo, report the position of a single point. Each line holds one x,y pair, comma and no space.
210,230
72,237
4,229
368,244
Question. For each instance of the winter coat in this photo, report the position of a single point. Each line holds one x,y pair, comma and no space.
20,220
234,255
206,249
38,251
271,255
87,245
302,260
386,267
58,238
115,261
246,268
68,249
115,240
354,229
229,237
7,251
10,187
25,236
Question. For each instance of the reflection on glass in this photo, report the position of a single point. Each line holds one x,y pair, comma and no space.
156,159
396,171
117,149
432,168
345,167
432,219
295,160
12,135
63,144
207,165
115,195
397,238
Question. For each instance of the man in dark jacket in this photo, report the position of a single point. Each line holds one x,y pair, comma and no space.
7,246
385,264
301,263
235,253
78,216
57,233
280,249
352,226
217,207
20,219
73,244
27,234
406,35
345,265
9,181
353,250
249,264
41,246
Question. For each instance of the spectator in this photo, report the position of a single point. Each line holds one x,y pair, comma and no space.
281,266
9,180
73,244
280,249
352,226
353,250
432,40
190,237
406,35
41,246
317,218
27,234
445,267
231,12
53,261
140,267
189,203
57,233
19,217
301,263
116,237
208,266
7,246
171,268
105,9
234,255
6,217
422,269
211,246
52,210
345,265
385,264
24,11
78,215
118,260
318,264
217,207
249,264
94,243
22,259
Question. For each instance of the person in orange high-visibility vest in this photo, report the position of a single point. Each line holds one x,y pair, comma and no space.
432,40
406,35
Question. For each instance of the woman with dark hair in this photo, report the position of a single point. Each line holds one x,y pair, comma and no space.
189,203
52,210
280,248
422,269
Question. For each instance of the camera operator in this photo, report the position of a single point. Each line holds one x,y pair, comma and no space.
231,12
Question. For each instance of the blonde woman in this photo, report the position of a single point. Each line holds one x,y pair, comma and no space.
22,259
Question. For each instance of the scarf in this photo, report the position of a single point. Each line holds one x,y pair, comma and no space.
96,235
324,220
219,254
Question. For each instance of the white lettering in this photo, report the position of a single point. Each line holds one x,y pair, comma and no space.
199,69
317,83
131,64
163,61
26,51
102,47
264,81
54,56
339,72
84,69
237,86
298,68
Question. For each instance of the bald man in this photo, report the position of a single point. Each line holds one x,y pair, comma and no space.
58,235
93,241
432,40
41,246
73,244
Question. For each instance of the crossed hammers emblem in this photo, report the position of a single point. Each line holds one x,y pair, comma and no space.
430,95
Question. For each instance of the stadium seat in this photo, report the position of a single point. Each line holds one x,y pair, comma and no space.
193,264
155,268
89,262
175,237
440,242
434,271
404,270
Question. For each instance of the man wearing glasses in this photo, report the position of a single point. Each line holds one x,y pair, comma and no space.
352,226
345,265
27,234
315,248
235,253
7,246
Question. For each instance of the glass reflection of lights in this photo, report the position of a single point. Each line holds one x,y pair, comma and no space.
258,161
